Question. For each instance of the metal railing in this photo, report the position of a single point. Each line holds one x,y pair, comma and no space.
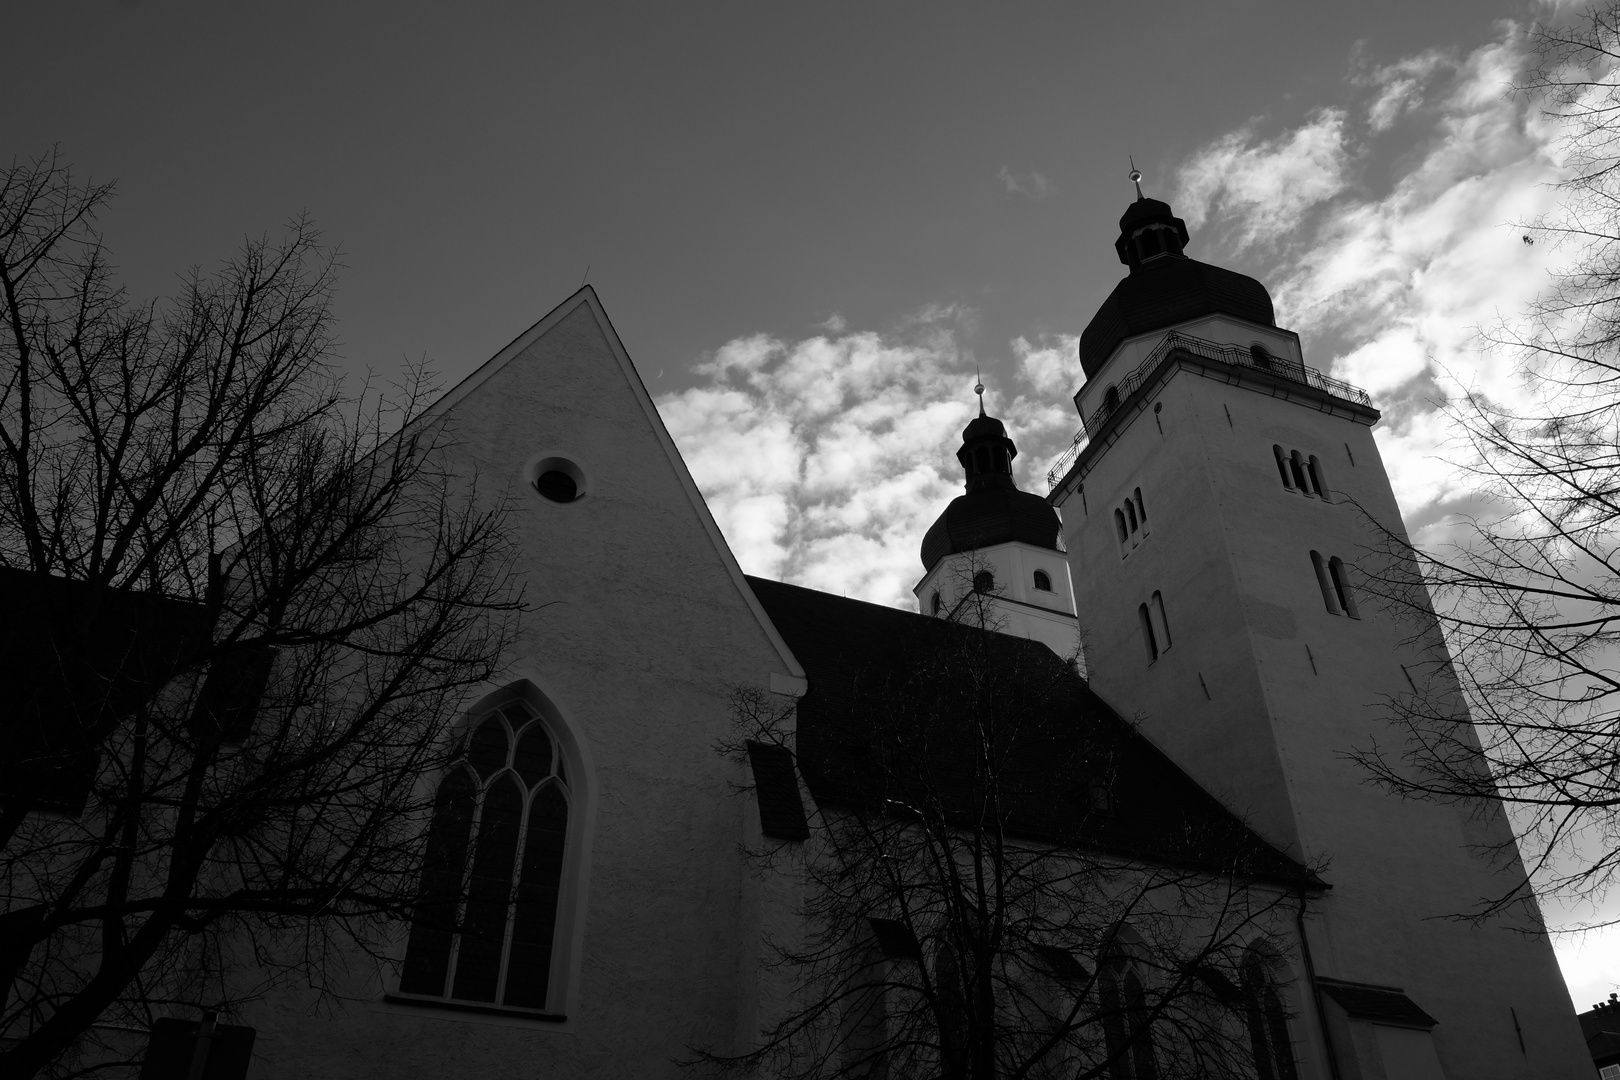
1234,355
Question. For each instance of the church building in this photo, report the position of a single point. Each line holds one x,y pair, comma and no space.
1203,533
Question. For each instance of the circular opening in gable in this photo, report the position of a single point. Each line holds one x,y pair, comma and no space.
559,480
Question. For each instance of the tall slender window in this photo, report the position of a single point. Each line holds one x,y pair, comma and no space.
1127,1034
1160,623
1267,1022
1330,597
485,921
1341,587
1119,526
1282,467
1313,469
1147,632
1141,508
1130,514
1296,468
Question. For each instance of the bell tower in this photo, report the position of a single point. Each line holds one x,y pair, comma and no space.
999,541
1234,630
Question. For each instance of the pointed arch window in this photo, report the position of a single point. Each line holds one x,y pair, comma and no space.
1267,1021
485,923
1127,1033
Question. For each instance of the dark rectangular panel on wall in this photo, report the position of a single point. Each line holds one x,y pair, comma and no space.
776,786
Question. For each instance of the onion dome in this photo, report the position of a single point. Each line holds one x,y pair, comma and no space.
1164,287
993,511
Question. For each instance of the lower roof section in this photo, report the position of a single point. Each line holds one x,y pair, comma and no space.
903,709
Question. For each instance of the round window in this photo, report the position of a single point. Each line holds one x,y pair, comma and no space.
559,480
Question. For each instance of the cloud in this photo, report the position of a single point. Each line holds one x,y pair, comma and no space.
1032,184
1263,189
825,459
1388,255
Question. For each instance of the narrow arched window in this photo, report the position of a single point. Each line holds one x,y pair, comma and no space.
484,925
984,581
1296,467
1127,1033
934,604
1147,632
1130,514
1141,507
1261,358
1119,526
1042,582
1341,587
1282,467
1161,624
1329,597
1267,1022
1111,399
1313,469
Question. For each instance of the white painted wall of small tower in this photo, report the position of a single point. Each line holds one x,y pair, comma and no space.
1263,692
1020,609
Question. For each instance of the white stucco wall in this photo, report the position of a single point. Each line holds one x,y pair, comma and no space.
1020,609
1264,692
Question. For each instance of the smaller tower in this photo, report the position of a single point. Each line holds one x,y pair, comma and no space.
999,540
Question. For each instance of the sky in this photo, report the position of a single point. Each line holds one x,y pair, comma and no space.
814,226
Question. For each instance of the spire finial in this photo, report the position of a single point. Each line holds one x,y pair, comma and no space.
1136,177
979,389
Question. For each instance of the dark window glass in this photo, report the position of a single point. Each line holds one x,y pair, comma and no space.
1329,599
1147,632
533,758
983,581
1111,399
1119,525
1313,469
1261,358
1282,467
487,750
557,486
934,604
1141,508
1341,588
489,892
1297,468
1162,621
1043,582
427,955
1130,514
529,968
1267,1023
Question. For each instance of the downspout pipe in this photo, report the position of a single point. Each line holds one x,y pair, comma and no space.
1316,991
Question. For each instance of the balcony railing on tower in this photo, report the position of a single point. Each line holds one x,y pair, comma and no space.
1234,355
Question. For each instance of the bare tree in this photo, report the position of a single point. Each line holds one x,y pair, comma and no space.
1001,879
242,608
1527,590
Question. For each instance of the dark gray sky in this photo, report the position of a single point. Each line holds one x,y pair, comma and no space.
723,169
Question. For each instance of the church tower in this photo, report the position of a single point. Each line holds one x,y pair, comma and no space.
998,541
1232,629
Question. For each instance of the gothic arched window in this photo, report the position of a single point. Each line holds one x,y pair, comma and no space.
1127,1034
485,921
1267,1022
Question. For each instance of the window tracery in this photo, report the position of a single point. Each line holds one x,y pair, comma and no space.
485,921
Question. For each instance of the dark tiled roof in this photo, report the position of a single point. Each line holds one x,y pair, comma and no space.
870,666
1164,292
776,789
74,659
1379,1004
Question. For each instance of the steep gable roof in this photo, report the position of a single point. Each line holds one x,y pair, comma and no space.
586,300
1073,771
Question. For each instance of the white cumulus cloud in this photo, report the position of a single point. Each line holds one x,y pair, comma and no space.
825,459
